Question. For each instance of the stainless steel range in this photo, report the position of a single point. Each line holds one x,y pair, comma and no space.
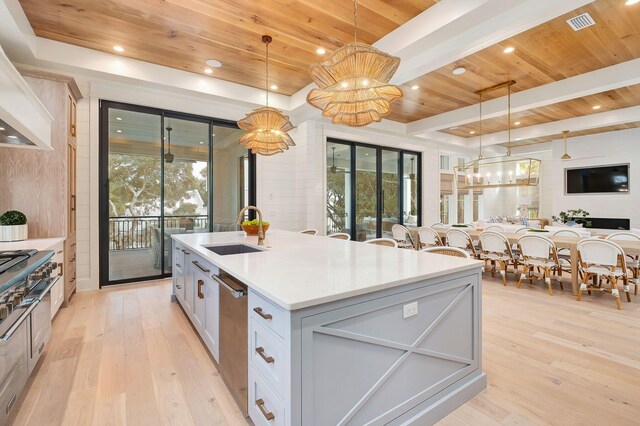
26,278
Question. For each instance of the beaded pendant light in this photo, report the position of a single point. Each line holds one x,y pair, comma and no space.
267,128
353,83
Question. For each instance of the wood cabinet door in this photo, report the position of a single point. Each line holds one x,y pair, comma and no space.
71,121
72,189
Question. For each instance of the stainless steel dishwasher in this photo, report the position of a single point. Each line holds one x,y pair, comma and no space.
234,360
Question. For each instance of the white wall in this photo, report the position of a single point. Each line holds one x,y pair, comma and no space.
290,186
598,150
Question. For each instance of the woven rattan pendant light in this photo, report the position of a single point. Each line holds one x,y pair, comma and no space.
353,83
267,128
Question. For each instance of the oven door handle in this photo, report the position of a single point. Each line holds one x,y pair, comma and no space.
48,288
235,293
6,336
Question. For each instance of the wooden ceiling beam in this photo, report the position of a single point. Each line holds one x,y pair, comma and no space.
609,78
593,121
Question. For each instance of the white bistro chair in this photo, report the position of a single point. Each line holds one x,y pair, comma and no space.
438,225
633,262
462,240
340,236
495,228
448,251
428,237
602,259
497,250
538,252
402,236
564,254
388,242
309,231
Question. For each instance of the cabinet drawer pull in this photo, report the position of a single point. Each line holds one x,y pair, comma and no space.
202,268
178,286
186,252
178,265
267,359
178,249
267,414
200,293
258,311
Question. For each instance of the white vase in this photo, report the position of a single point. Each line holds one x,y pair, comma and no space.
13,232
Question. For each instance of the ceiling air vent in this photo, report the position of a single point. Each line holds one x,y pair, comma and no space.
581,21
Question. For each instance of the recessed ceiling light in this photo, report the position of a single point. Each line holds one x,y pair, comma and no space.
595,107
274,87
518,139
208,71
459,70
415,87
1,128
213,134
509,49
119,118
517,123
344,84
213,63
13,137
320,51
119,49
118,131
630,2
472,132
201,143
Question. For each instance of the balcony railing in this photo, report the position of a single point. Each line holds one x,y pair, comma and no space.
140,232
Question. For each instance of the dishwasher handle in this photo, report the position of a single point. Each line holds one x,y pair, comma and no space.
235,293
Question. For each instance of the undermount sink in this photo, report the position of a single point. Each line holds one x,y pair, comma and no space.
227,249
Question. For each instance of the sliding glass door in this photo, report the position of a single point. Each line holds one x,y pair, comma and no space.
369,189
164,173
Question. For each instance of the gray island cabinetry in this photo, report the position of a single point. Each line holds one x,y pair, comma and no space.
351,334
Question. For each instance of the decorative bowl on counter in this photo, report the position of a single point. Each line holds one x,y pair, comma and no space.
253,229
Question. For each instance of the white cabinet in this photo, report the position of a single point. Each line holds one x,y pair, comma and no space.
211,317
206,304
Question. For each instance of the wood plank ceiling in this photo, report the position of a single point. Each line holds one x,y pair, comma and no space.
544,54
183,34
595,131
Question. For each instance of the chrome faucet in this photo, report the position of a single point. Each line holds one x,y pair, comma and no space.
260,232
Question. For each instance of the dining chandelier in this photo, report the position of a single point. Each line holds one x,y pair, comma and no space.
353,83
501,171
267,128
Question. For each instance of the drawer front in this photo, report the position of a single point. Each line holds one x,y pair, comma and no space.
179,258
267,314
267,356
265,409
57,294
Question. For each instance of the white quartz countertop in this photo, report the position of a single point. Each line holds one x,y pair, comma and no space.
297,271
34,243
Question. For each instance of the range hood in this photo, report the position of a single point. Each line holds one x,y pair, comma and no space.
24,121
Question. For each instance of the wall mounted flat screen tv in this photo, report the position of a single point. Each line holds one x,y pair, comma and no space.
597,180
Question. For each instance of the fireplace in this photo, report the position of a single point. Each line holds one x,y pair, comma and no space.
605,223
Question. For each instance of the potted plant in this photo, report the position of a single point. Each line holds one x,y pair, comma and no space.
577,216
13,226
250,227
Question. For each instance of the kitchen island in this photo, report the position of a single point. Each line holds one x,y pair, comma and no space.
340,332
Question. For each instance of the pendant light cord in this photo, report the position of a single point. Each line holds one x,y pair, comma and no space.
267,73
509,123
480,150
355,21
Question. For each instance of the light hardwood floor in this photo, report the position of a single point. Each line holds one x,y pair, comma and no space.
127,356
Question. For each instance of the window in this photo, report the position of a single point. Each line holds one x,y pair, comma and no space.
444,162
461,161
476,207
371,188
461,203
444,208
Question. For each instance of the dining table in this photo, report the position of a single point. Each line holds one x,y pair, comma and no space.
631,248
